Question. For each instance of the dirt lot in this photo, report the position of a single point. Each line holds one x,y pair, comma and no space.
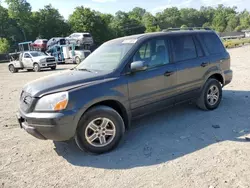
178,147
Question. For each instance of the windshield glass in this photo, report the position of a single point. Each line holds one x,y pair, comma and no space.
107,57
36,54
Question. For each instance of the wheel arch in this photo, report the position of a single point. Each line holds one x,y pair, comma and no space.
117,106
218,77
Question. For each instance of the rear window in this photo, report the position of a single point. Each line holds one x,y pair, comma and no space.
86,35
212,42
45,41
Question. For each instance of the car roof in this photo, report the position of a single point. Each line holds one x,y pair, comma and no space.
81,33
155,34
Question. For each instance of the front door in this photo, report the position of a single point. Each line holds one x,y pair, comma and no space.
152,89
27,61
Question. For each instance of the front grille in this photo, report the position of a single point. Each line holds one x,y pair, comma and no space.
25,101
50,59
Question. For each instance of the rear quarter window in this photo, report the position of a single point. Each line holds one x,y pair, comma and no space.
212,43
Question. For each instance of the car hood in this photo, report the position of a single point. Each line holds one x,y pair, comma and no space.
62,81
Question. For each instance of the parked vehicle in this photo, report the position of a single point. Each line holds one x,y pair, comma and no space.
56,41
57,52
80,55
123,79
68,53
40,44
32,60
80,38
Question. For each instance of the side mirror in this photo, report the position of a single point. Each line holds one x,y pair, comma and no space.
138,66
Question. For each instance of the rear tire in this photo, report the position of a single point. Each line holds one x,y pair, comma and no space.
211,95
12,69
100,130
36,67
77,60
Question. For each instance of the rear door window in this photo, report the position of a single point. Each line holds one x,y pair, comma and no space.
199,49
183,48
212,43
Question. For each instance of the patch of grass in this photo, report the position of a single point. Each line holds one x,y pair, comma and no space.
236,42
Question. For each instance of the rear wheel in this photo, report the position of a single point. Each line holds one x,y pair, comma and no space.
36,67
12,69
100,130
78,60
211,95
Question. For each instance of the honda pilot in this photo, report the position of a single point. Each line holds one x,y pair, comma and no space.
125,78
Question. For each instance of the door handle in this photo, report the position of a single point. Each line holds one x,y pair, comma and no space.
168,73
204,64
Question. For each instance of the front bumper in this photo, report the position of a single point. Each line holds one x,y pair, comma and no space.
47,65
51,126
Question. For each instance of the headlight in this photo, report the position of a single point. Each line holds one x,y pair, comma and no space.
53,102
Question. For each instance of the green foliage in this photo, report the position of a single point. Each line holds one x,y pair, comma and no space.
4,45
236,42
19,23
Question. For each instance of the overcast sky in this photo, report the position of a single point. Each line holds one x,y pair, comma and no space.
66,7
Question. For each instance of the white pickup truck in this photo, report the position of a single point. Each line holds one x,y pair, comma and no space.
32,60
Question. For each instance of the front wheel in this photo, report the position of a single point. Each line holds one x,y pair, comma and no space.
211,95
53,68
36,67
100,130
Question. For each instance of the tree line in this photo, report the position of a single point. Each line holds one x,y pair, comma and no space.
19,23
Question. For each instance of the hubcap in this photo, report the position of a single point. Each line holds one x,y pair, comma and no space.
100,132
77,60
213,95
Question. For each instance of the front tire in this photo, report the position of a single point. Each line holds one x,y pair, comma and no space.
100,130
211,95
36,67
53,68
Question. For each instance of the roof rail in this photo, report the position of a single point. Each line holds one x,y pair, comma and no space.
186,28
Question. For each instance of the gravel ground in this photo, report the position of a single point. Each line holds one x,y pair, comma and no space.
178,147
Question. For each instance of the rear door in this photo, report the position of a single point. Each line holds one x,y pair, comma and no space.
27,60
218,55
191,64
152,89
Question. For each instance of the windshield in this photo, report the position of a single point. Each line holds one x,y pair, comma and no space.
107,57
36,54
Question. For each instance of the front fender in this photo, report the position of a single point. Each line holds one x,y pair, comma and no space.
115,90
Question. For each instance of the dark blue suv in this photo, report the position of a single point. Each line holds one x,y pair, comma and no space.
124,78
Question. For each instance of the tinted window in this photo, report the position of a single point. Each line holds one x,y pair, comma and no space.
183,48
212,42
86,35
62,42
198,48
154,52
